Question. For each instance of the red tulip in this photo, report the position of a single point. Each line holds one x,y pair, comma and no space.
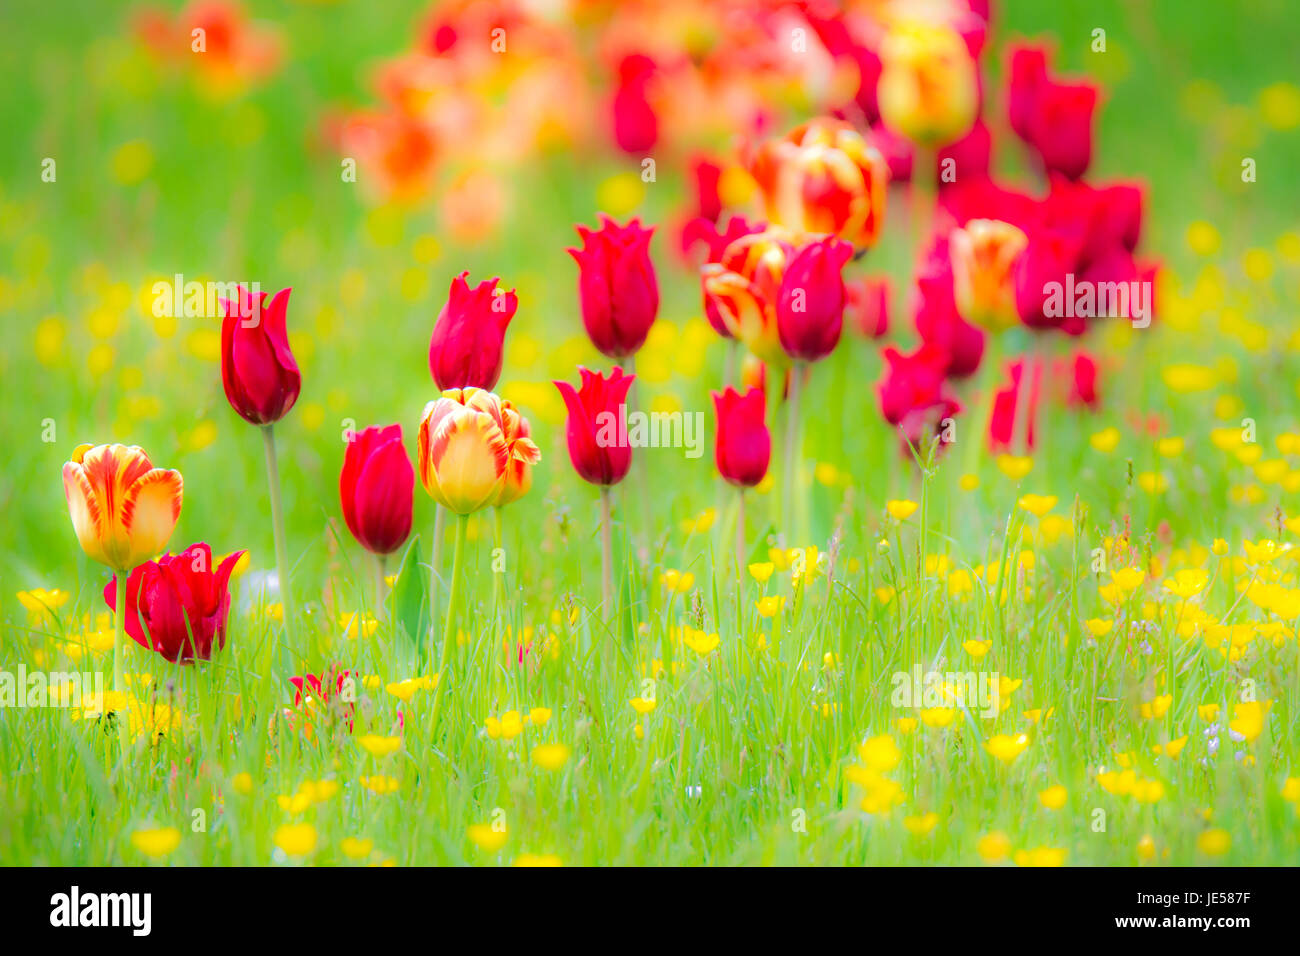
702,230
636,127
744,445
177,605
596,428
1084,373
258,371
617,285
465,349
1004,423
868,305
377,489
1028,75
810,306
939,323
912,393
1052,117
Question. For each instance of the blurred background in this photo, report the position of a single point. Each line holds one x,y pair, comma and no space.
229,166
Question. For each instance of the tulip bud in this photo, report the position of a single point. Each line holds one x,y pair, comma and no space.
868,305
123,509
929,82
463,450
810,308
465,350
822,177
636,127
744,444
178,604
596,428
258,371
984,254
1061,129
376,488
617,285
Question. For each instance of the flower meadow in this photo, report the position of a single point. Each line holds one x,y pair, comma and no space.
649,433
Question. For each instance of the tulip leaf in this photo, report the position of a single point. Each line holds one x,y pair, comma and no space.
410,601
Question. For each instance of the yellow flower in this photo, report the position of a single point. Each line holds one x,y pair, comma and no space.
1006,748
929,84
1188,583
921,824
984,253
977,649
380,785
1207,712
884,594
1170,447
1171,749
156,843
1128,580
1106,440
701,643
1156,708
1041,856
539,715
678,582
242,783
295,839
355,848
1038,505
378,746
938,716
1248,718
1214,842
1185,378
1015,467
641,705
761,571
968,482
1099,627
879,754
1053,797
993,847
1146,847
1148,791
900,510
534,859
487,837
41,604
770,606
551,756
1291,789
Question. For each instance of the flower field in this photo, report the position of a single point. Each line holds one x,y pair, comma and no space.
664,433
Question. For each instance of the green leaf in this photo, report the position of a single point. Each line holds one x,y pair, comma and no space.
410,601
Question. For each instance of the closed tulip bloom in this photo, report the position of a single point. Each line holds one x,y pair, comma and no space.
123,508
1061,127
377,488
810,308
867,304
617,287
984,254
463,450
929,82
178,604
258,371
744,444
465,349
596,428
823,178
744,288
519,470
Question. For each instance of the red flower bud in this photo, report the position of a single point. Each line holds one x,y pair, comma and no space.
465,350
810,307
617,285
377,489
258,371
744,444
868,305
597,425
178,604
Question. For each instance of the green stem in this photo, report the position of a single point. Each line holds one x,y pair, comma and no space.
498,577
119,653
449,628
791,474
641,463
381,565
606,556
281,546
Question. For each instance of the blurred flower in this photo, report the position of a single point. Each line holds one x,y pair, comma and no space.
178,604
617,286
465,349
867,304
1053,118
123,509
810,308
717,241
596,427
636,127
929,82
376,488
744,445
984,252
258,370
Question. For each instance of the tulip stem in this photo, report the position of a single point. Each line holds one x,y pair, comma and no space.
281,546
498,577
439,518
119,653
641,463
740,536
449,627
791,475
381,565
606,555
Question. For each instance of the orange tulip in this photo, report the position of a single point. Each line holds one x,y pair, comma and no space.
984,253
744,289
123,508
524,453
823,178
464,450
929,82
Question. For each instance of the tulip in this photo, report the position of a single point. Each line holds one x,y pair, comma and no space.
984,253
912,393
867,304
123,510
617,286
702,230
519,470
465,349
596,431
810,307
823,178
262,383
1061,129
937,320
178,604
636,127
258,371
743,287
376,488
464,454
929,82
744,445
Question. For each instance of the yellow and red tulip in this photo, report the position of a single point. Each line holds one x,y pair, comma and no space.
929,82
984,253
464,451
122,507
